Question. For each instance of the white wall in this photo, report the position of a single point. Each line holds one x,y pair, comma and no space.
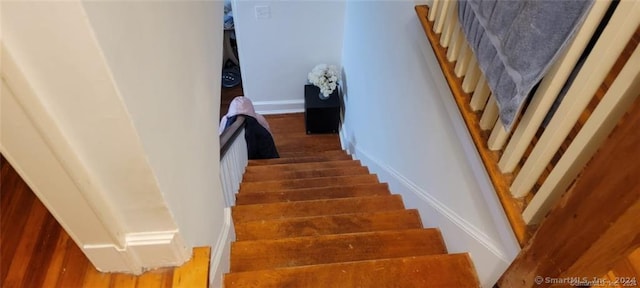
60,82
64,66
126,98
401,121
165,58
277,53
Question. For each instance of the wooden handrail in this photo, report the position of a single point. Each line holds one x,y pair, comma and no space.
230,134
500,181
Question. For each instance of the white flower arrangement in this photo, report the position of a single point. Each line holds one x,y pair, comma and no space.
324,77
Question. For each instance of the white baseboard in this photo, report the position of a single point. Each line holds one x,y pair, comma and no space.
109,258
452,216
221,253
279,106
158,249
142,251
473,157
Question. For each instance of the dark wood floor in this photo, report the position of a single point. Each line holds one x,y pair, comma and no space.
289,134
288,130
37,252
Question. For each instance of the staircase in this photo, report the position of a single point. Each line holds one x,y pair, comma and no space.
320,219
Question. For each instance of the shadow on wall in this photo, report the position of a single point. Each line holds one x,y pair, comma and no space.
344,92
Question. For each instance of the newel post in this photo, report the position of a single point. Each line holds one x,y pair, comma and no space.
593,225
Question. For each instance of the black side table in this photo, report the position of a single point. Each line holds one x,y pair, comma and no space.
321,116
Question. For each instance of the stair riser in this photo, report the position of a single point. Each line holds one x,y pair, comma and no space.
315,153
327,225
312,194
264,186
269,254
453,270
302,166
299,160
245,213
315,173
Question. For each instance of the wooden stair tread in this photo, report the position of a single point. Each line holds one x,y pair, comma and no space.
318,158
293,154
325,225
314,173
302,166
287,252
294,142
254,212
452,270
276,185
290,135
286,123
318,193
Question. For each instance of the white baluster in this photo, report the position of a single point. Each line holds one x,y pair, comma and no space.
614,38
456,42
490,115
433,10
480,95
498,137
620,96
463,60
549,89
471,77
450,24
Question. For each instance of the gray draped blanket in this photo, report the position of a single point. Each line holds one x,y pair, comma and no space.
515,43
